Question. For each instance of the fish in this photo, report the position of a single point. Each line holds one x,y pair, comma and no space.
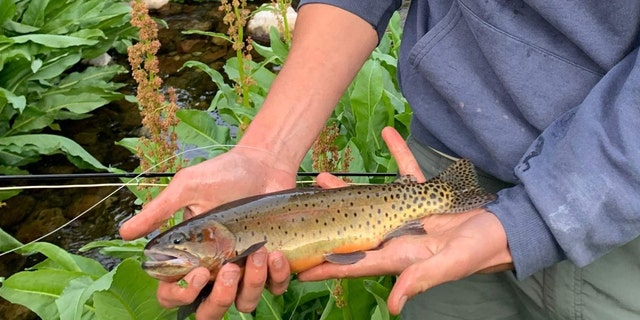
311,225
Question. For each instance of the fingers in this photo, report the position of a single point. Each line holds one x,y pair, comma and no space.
255,277
279,273
223,294
171,295
407,163
394,257
421,276
329,181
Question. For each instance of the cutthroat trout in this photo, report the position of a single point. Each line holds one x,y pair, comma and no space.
310,226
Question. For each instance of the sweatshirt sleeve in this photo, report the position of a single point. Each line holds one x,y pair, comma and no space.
578,192
376,13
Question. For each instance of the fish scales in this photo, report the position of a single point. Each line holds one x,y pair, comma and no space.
308,225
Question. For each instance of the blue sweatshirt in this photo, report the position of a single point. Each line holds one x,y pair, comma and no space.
541,93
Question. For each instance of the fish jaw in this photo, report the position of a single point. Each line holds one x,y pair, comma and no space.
169,264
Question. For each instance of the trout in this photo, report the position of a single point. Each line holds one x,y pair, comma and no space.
310,226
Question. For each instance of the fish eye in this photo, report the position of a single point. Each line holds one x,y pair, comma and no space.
178,238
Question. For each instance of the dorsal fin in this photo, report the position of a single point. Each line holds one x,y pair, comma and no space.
462,177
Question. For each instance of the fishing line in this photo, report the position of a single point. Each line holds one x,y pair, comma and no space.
87,185
122,175
109,195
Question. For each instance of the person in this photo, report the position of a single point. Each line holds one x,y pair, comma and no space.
543,96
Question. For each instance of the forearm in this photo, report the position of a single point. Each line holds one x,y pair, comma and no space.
329,47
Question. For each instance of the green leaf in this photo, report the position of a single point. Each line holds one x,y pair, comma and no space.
132,296
79,103
380,293
7,9
31,119
34,15
72,302
38,290
117,248
18,102
56,66
270,307
7,242
54,41
200,128
46,144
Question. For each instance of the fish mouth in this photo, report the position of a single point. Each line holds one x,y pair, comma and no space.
169,258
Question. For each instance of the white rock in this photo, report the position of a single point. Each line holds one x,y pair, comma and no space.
156,4
99,61
261,22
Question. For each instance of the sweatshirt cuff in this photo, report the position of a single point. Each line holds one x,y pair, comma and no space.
376,13
531,243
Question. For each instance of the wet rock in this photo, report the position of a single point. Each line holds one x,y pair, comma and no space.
39,224
16,210
15,311
82,203
192,45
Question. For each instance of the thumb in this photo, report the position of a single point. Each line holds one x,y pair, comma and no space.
173,198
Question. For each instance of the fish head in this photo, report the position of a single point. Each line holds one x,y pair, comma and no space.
177,251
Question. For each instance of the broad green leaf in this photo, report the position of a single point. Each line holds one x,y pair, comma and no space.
72,304
35,65
58,255
380,293
279,48
200,128
7,242
34,15
7,9
88,266
54,41
18,102
234,314
132,296
47,144
38,290
77,103
54,67
31,119
117,248
270,307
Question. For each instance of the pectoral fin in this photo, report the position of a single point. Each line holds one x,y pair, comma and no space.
241,258
345,258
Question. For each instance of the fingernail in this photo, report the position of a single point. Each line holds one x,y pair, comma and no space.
258,258
278,262
403,300
199,280
230,277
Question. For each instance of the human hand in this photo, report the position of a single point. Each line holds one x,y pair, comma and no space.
239,173
455,246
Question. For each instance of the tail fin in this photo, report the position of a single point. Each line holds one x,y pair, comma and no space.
462,177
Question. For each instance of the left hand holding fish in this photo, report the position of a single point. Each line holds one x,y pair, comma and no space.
455,246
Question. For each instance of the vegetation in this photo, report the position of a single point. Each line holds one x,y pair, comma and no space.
41,80
79,288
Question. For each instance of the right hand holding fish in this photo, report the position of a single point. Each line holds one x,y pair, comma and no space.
199,188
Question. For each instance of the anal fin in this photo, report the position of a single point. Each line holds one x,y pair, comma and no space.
345,258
